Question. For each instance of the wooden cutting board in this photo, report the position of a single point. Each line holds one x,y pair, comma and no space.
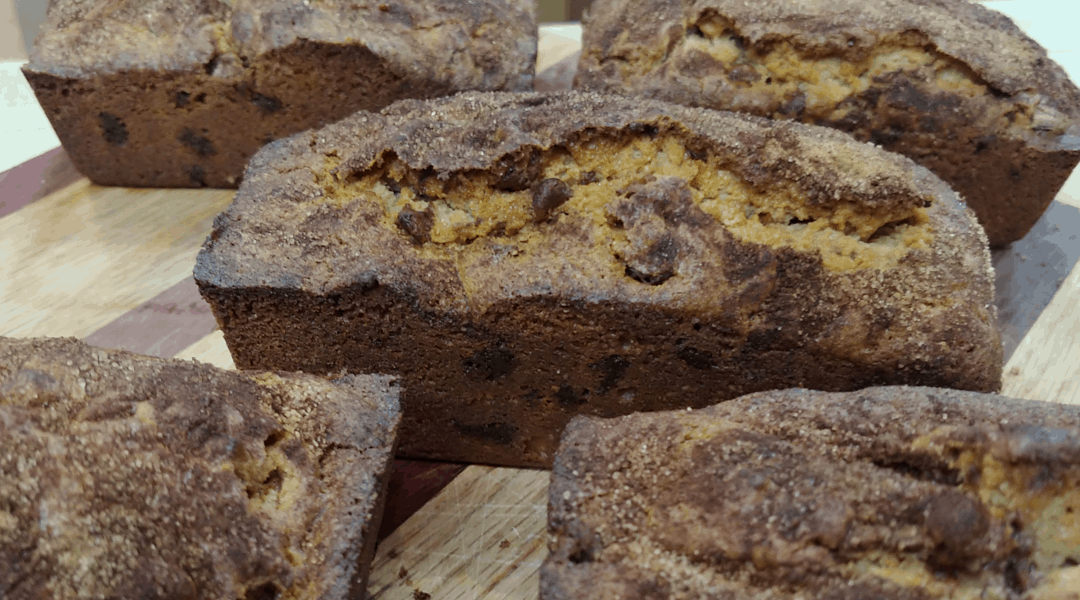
113,266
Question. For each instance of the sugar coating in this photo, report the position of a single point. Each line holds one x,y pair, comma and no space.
885,493
127,476
162,93
955,86
519,259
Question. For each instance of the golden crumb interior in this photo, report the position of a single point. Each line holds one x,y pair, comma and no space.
584,178
1022,496
276,491
825,87
1049,509
693,542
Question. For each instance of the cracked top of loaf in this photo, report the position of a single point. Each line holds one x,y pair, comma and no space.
995,50
465,44
128,476
914,493
481,196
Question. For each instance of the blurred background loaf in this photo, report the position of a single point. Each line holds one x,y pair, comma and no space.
21,19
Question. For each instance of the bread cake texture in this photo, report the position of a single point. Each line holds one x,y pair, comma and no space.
124,476
953,85
179,93
885,493
519,258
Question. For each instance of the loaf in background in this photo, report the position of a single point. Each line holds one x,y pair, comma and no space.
169,93
953,85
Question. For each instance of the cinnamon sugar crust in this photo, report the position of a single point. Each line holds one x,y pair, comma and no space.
129,476
953,85
519,259
913,493
181,94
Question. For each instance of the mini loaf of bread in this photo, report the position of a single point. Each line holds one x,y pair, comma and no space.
519,259
179,93
884,494
953,85
124,476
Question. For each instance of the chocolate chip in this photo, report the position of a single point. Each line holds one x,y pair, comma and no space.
795,106
744,74
267,103
589,177
956,522
273,438
182,99
698,359
657,264
393,186
491,363
518,173
647,129
584,545
116,132
534,101
200,144
612,367
885,137
696,152
197,174
982,143
548,195
416,223
266,591
500,433
567,397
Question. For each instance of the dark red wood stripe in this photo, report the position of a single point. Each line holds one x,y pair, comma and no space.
1030,271
162,326
35,179
412,484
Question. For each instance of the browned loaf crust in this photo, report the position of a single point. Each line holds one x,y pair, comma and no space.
886,493
953,85
178,93
519,259
124,476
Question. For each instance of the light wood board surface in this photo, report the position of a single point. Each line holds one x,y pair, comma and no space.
81,257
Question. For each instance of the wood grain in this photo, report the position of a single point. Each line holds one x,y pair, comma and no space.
1046,364
481,537
162,326
211,349
85,255
35,179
